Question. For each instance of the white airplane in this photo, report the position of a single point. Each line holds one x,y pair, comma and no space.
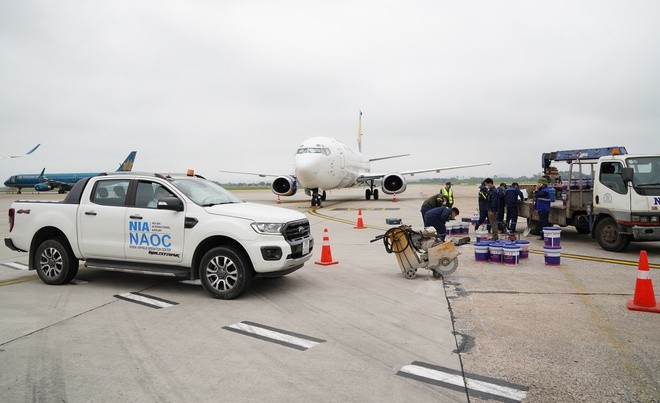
21,155
323,163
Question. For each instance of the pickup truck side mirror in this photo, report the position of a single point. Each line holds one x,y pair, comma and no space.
628,174
170,203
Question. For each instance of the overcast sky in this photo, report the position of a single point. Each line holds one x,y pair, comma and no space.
238,85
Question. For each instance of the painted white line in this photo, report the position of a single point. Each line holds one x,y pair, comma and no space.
472,384
141,299
274,335
16,265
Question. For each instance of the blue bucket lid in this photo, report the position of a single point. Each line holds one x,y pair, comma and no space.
551,229
496,244
482,243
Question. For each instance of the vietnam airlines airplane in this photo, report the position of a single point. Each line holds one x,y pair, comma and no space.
21,155
323,163
64,182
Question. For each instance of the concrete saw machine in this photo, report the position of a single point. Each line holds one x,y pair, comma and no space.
420,250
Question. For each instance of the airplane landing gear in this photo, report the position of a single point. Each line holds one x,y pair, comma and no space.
371,192
317,198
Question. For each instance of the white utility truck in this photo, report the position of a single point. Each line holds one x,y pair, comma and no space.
609,193
168,225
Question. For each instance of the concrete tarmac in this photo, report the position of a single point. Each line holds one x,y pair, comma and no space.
354,331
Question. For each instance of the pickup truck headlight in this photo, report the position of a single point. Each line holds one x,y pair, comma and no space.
267,228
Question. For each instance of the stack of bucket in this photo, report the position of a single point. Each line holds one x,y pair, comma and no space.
552,245
497,252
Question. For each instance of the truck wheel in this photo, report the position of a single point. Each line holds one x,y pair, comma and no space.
55,262
224,273
533,226
609,237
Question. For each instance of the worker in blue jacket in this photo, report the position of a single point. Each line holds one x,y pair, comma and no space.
542,203
501,206
493,205
511,197
483,206
437,217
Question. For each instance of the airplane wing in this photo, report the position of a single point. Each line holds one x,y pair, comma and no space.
22,155
388,157
254,174
371,176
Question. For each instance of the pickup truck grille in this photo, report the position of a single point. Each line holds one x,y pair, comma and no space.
296,231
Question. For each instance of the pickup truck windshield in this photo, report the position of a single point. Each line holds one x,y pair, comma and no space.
203,192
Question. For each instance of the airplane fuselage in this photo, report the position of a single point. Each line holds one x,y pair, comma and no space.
30,180
325,163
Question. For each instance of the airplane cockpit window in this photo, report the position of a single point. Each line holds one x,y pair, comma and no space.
314,150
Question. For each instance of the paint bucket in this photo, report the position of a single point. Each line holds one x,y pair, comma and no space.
482,235
475,219
552,256
465,228
551,237
495,250
510,253
481,251
453,228
524,248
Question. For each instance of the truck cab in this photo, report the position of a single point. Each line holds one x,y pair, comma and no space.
612,195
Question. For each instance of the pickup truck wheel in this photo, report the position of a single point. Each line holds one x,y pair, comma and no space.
224,273
55,262
609,237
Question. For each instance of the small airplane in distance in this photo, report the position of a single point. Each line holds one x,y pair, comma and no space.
63,182
323,163
21,155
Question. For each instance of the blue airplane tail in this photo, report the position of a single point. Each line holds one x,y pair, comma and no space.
127,165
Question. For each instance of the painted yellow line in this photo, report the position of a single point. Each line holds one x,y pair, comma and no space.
18,280
598,259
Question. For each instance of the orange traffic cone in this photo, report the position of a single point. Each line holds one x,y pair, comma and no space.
359,224
326,254
394,198
644,299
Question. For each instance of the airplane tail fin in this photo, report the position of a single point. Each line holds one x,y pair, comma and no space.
127,165
33,150
41,175
360,133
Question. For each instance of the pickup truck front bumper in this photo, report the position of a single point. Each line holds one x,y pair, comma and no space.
10,244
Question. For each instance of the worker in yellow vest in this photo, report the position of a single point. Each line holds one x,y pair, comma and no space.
447,194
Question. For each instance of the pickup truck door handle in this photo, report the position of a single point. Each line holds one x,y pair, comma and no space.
136,217
90,212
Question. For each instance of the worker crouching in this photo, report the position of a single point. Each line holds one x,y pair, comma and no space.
437,218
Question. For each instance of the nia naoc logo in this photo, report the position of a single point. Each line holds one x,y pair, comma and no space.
142,235
656,201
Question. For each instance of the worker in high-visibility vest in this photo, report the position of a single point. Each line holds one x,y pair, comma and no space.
448,194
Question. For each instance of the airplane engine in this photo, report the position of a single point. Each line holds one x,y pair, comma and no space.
43,187
394,183
284,186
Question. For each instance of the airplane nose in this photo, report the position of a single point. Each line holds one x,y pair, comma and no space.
307,169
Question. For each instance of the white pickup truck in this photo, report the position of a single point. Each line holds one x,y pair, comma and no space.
169,225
